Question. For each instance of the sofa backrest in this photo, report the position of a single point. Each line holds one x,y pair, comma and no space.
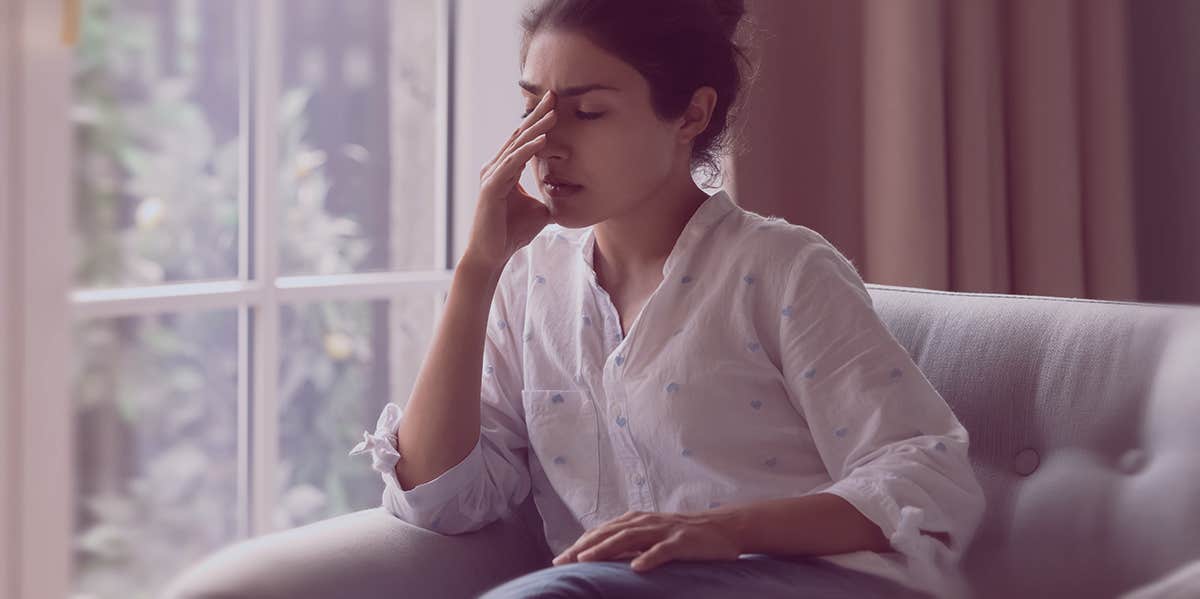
1084,418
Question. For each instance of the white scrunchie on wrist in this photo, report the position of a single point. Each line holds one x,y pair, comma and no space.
382,443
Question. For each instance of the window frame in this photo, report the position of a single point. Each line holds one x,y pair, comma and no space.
38,438
39,306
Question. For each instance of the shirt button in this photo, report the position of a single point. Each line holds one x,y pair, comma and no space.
639,481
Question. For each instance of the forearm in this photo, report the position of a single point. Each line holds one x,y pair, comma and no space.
818,524
441,422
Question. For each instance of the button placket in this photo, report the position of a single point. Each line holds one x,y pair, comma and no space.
635,465
617,416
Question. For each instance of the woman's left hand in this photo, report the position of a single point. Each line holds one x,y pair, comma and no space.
659,538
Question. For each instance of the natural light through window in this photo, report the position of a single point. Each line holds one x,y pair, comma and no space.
260,249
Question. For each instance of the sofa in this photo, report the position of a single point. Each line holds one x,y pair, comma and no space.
1084,418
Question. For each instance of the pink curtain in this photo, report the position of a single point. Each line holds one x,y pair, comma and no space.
966,145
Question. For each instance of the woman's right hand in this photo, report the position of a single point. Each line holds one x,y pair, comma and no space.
507,218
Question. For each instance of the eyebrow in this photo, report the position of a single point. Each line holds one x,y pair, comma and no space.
577,90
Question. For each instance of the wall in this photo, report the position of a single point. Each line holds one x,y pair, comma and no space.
8,354
34,251
487,101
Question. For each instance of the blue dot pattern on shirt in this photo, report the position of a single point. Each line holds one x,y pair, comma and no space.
673,387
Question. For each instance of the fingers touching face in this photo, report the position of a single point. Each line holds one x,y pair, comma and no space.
606,135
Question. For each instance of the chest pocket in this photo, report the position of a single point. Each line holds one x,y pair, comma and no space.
565,436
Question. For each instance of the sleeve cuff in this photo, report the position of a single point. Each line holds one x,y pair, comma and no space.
929,560
431,495
382,445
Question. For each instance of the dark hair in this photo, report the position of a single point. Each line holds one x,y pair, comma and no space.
679,46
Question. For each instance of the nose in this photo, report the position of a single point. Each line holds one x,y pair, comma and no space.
554,146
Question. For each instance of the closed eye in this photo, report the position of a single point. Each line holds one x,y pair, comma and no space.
587,116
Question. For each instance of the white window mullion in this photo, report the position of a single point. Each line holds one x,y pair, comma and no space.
88,304
244,16
444,131
264,404
444,184
359,286
159,299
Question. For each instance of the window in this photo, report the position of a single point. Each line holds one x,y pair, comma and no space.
261,244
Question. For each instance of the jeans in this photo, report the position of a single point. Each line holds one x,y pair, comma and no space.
753,575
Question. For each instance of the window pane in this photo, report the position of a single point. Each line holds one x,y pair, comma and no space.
358,134
156,142
341,363
156,460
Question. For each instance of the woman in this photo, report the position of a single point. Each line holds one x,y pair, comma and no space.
676,380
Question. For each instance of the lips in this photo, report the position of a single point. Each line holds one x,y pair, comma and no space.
559,182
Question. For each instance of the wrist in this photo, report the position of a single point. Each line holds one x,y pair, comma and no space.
735,523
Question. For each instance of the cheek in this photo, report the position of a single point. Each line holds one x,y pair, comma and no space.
647,153
624,155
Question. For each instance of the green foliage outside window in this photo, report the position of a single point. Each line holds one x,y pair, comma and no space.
156,397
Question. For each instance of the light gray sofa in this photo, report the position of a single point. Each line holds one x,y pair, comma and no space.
1085,434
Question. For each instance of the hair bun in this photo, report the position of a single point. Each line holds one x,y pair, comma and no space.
729,14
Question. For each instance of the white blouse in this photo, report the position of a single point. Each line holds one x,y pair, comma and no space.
758,369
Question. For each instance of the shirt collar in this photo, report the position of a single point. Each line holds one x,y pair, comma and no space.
709,212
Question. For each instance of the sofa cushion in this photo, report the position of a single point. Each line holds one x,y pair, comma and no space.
1083,417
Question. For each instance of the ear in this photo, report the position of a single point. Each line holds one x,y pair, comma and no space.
697,114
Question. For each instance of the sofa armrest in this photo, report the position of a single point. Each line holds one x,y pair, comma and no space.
364,554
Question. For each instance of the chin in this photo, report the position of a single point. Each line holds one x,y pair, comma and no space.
568,220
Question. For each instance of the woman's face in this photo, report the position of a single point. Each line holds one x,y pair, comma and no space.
607,140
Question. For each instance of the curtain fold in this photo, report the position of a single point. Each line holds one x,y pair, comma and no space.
965,145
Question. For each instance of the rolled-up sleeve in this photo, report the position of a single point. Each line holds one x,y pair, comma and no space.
494,477
892,445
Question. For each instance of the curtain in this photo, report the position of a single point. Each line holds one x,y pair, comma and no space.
963,145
